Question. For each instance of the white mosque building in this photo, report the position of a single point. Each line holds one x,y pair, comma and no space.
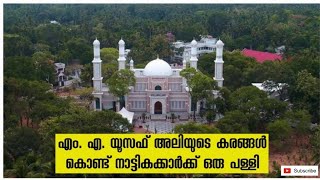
159,88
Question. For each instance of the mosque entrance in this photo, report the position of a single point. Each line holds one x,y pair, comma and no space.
158,108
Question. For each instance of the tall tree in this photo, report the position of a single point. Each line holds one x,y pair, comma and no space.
200,86
16,45
108,70
78,120
222,102
86,75
109,55
308,89
279,132
234,122
119,84
79,48
161,46
259,109
300,120
20,140
25,96
44,66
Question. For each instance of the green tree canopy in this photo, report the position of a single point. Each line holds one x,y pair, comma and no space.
109,55
120,82
300,120
86,75
108,70
246,98
259,109
200,86
234,122
193,128
79,120
79,48
279,130
21,140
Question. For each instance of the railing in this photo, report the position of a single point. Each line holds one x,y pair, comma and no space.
158,94
138,93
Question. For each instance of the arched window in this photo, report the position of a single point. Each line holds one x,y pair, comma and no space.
157,87
97,103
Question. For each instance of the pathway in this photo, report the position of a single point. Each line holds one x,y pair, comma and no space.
161,127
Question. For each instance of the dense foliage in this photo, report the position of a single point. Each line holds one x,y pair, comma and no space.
28,30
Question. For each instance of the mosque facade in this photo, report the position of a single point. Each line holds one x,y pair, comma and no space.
159,88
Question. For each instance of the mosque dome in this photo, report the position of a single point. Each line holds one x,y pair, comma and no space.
157,67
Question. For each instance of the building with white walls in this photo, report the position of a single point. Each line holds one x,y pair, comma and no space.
182,50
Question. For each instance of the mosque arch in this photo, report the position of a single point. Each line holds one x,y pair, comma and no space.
157,87
158,107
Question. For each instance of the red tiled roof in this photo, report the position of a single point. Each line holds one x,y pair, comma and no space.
261,56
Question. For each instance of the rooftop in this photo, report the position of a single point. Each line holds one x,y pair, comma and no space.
261,56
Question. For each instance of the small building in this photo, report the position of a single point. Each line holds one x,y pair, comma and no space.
182,50
54,22
61,77
261,56
66,76
280,49
274,90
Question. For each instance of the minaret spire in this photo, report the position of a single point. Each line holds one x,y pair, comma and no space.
193,59
131,64
97,78
218,70
122,58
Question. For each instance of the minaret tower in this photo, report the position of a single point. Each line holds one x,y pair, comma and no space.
184,65
218,69
122,58
193,59
97,78
131,64
184,81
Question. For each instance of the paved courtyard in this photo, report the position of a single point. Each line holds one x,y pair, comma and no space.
161,126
